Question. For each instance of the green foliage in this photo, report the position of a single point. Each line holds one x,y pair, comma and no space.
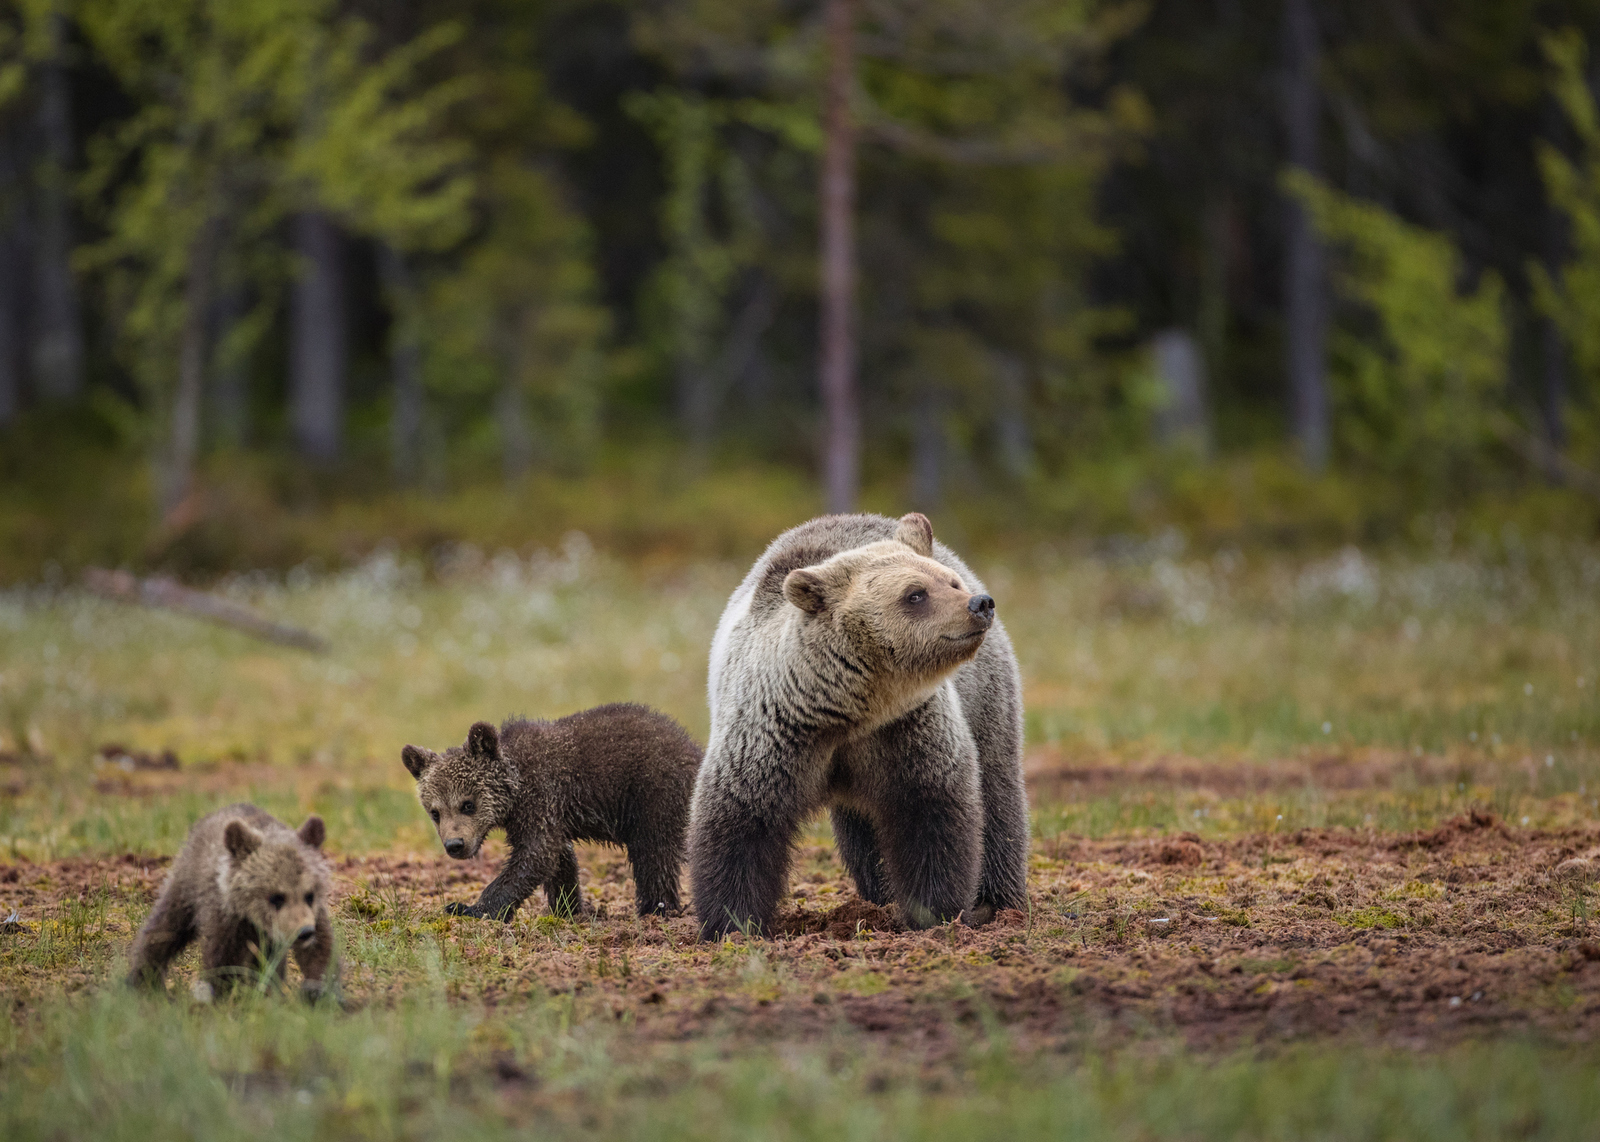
975,211
246,112
688,296
1414,394
519,316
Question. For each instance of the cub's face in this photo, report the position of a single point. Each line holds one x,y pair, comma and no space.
277,886
895,607
464,789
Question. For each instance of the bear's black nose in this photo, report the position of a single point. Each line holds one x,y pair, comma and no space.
982,606
304,934
455,846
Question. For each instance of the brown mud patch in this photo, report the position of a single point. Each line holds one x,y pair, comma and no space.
1473,928
1054,776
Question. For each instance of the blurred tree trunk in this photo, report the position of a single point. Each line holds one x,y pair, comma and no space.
1183,420
185,442
1305,278
230,392
1553,346
511,412
405,363
318,350
1011,416
841,411
928,450
13,268
58,335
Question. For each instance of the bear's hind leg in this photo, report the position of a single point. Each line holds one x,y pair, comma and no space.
162,937
655,878
561,888
858,848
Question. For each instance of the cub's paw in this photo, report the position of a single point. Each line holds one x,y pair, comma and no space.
464,910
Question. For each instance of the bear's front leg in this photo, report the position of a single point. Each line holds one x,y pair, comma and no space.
524,870
313,958
739,843
931,850
164,934
920,777
229,953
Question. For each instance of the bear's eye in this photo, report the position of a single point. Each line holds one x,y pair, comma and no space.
277,900
310,896
917,596
468,808
435,813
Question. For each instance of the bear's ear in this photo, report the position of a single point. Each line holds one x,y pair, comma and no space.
241,839
806,589
916,533
483,740
417,759
313,832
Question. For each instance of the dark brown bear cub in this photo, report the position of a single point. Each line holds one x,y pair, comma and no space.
621,774
252,891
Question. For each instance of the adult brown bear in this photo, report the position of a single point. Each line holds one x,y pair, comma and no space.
860,667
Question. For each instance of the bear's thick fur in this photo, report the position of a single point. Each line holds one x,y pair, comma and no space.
251,890
859,667
621,773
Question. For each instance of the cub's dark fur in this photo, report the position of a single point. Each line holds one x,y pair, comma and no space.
251,890
619,773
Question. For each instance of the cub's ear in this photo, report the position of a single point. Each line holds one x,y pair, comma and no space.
916,533
241,839
806,589
483,740
417,759
313,832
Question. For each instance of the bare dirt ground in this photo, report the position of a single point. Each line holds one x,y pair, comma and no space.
1423,938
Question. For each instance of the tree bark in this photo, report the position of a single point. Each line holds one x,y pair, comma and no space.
58,336
184,446
837,351
1305,277
405,363
318,351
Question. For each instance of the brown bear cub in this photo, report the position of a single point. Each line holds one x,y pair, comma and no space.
621,774
252,891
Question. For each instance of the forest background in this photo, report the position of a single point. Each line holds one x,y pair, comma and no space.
285,280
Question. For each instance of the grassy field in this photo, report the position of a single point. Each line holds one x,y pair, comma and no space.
1315,846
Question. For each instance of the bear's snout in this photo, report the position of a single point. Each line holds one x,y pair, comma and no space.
982,609
456,847
305,933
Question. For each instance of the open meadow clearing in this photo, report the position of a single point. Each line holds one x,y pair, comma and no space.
1302,827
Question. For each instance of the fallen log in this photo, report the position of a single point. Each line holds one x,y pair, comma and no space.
1541,454
168,594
